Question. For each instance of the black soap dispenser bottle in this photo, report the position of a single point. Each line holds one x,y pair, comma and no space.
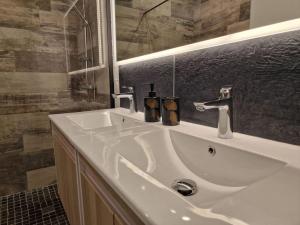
152,106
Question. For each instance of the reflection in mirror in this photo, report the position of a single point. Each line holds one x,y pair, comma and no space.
147,26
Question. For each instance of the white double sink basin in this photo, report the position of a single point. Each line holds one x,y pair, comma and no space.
242,181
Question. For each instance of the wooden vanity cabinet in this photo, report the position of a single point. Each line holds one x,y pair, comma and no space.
118,221
109,207
95,210
86,197
65,160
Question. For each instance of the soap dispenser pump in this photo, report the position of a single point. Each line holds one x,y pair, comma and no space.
152,106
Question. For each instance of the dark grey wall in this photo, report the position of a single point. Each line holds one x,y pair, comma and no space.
264,72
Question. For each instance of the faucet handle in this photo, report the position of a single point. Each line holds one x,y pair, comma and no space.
202,106
226,92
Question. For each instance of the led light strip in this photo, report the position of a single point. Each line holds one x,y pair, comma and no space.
283,27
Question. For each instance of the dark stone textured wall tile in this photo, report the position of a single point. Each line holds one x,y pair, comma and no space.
265,74
159,71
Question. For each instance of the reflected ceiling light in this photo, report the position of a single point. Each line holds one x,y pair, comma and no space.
186,218
173,211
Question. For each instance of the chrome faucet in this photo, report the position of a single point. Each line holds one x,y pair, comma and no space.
225,105
131,95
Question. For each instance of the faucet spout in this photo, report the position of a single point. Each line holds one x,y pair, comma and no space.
225,106
130,96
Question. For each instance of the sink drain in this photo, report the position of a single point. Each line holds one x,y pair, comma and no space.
185,187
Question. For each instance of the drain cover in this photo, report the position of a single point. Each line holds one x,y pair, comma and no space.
185,187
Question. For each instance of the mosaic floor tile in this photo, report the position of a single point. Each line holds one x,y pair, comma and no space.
40,207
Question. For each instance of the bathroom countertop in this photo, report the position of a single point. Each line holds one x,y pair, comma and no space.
274,200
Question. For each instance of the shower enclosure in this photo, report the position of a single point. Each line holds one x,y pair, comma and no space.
84,29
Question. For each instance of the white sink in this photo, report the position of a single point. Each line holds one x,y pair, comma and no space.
169,155
99,119
221,164
242,181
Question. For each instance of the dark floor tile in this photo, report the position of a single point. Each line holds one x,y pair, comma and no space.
39,207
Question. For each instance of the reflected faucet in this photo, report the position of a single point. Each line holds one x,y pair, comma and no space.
131,95
225,105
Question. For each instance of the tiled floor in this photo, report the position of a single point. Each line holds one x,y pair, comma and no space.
39,207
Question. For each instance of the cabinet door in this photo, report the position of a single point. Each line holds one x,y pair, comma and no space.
96,211
67,180
118,221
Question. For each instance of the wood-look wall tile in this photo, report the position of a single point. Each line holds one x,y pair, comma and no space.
44,4
33,83
183,9
14,126
12,173
60,5
30,103
41,177
28,98
30,61
237,27
39,159
51,22
127,3
33,142
11,145
7,61
175,23
245,11
30,82
26,40
19,3
19,17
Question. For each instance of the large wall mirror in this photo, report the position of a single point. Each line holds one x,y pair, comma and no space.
148,26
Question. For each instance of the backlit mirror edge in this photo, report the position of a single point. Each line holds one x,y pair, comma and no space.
277,28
